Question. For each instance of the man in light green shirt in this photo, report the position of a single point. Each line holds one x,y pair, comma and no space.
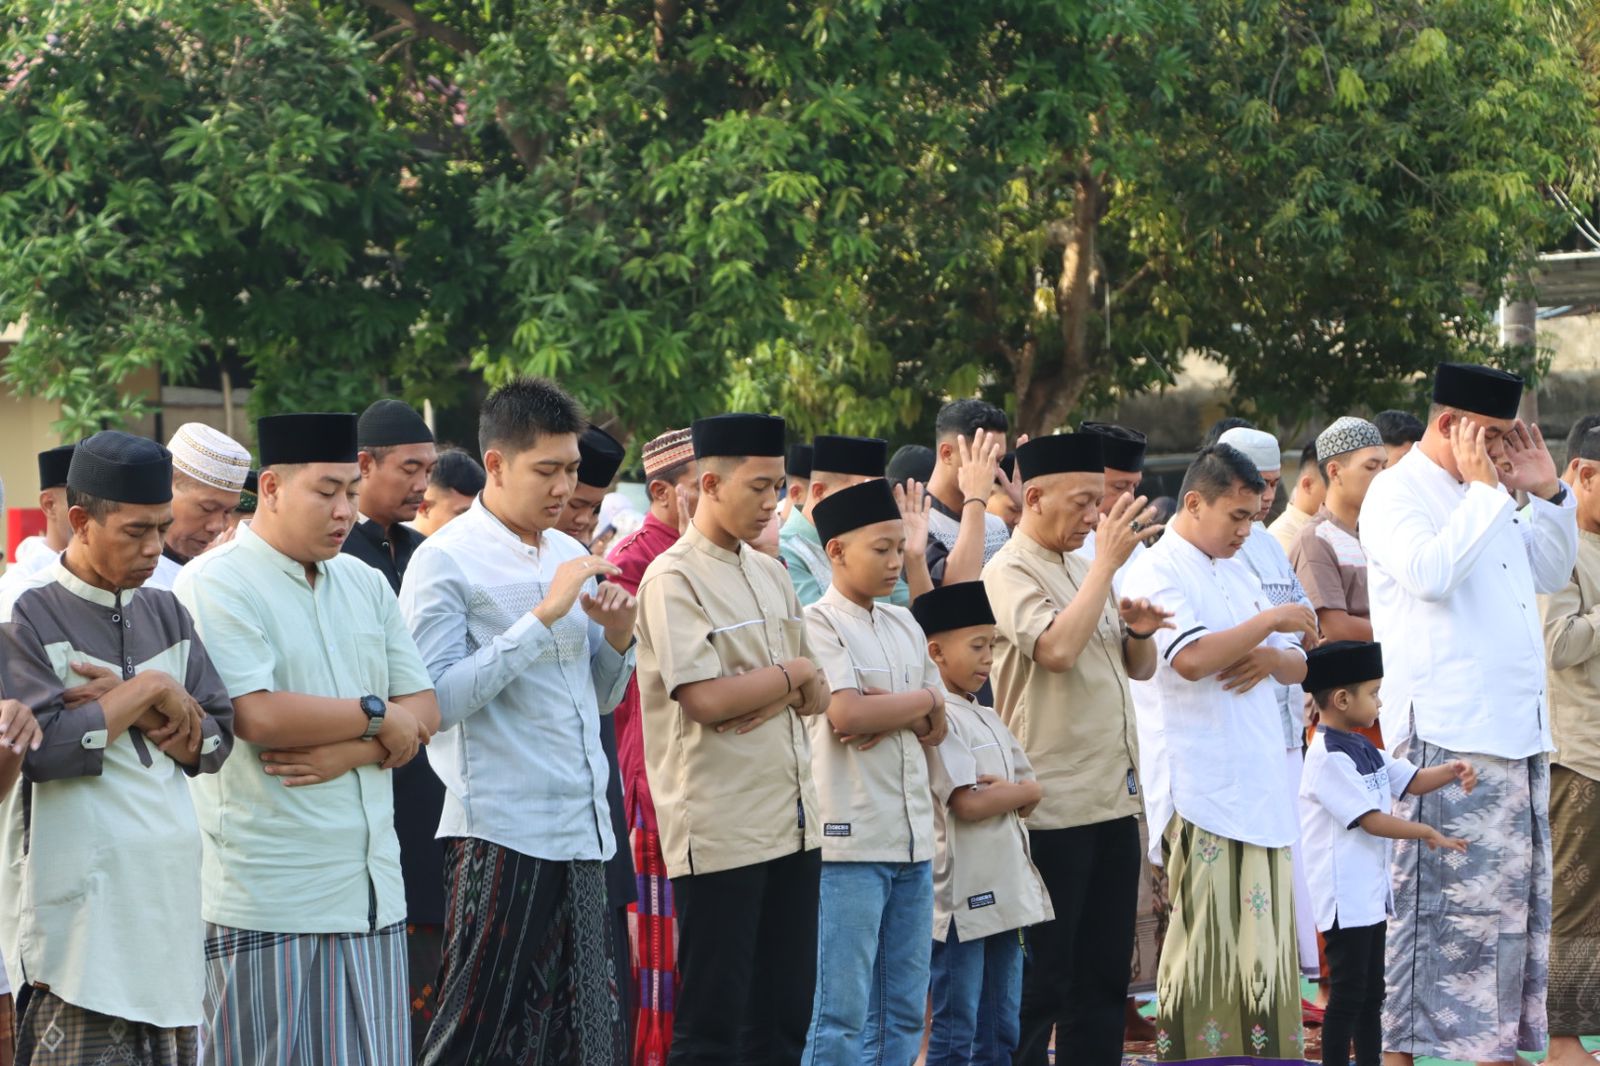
301,885
838,463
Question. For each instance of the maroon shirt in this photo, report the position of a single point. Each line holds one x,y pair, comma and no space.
633,554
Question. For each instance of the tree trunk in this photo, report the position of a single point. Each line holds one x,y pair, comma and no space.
1519,333
1047,395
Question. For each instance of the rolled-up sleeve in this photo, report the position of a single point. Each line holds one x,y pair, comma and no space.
433,602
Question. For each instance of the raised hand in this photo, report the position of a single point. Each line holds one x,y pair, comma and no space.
1143,617
979,464
1527,466
915,504
614,609
1469,445
568,583
1125,527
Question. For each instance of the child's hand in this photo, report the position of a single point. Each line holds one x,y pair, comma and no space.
1465,774
1436,839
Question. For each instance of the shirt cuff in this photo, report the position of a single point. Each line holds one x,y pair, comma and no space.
75,746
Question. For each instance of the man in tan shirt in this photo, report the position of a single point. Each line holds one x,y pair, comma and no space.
872,785
1572,639
725,675
1065,649
1304,502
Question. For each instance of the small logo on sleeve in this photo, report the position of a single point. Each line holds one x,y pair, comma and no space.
983,899
835,829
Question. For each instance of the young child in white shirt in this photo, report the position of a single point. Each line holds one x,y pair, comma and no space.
1346,790
986,889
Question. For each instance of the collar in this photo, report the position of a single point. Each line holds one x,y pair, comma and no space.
498,530
800,526
167,552
1325,515
1186,550
1592,538
938,505
656,525
251,541
85,591
1032,547
1417,463
838,600
700,542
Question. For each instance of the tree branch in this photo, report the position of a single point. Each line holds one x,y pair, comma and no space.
448,36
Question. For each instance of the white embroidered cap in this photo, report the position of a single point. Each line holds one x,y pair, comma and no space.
209,456
1260,447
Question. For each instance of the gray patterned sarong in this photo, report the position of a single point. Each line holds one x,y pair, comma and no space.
1469,947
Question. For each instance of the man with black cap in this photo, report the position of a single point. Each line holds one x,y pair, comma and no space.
1454,570
1124,451
839,463
397,456
526,646
40,551
1065,648
600,456
303,893
100,849
725,677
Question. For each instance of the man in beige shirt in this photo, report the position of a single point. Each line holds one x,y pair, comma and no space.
872,785
1065,649
1572,639
725,676
1304,503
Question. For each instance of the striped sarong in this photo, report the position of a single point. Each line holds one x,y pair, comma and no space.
1468,957
55,1033
1228,985
528,974
304,999
1575,903
653,928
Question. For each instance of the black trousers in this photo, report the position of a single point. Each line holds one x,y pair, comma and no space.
1355,994
747,963
1076,977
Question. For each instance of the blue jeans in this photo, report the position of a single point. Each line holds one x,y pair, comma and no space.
977,996
872,964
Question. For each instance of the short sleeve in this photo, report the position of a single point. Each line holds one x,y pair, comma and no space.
676,627
1337,786
1022,608
828,649
1316,564
1019,760
229,622
408,674
951,766
1150,578
1401,771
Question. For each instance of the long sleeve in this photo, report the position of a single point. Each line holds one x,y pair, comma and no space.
806,586
68,749
1426,559
1571,634
1552,540
609,668
433,601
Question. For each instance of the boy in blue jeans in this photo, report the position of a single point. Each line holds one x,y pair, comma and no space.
872,790
1346,791
986,889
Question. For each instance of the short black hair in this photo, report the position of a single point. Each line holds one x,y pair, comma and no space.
1398,427
97,506
521,411
1322,697
1580,429
1217,469
965,417
458,472
1221,426
911,461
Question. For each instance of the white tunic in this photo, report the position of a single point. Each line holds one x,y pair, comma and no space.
1452,572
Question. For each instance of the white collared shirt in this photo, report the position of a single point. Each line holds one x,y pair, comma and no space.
1346,778
1267,560
518,748
1088,551
1452,573
1224,750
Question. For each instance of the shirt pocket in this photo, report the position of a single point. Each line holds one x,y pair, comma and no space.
361,649
739,646
874,677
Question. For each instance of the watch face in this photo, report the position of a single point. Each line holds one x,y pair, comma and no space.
373,706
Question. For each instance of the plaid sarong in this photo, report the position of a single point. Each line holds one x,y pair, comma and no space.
1469,946
653,928
285,999
55,1033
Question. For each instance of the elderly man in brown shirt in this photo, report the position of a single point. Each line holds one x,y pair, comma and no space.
1065,649
1572,640
725,677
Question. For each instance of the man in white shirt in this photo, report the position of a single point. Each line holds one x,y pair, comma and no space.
1453,571
40,551
525,647
1228,841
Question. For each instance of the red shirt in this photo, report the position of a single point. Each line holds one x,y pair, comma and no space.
633,554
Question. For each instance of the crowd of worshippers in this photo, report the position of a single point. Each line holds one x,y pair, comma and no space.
358,754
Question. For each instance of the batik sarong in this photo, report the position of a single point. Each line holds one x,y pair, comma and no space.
296,999
1228,986
653,929
528,976
55,1033
1574,1005
1469,947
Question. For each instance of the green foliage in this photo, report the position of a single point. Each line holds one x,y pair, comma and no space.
842,211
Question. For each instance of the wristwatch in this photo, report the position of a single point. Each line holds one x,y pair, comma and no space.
374,709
